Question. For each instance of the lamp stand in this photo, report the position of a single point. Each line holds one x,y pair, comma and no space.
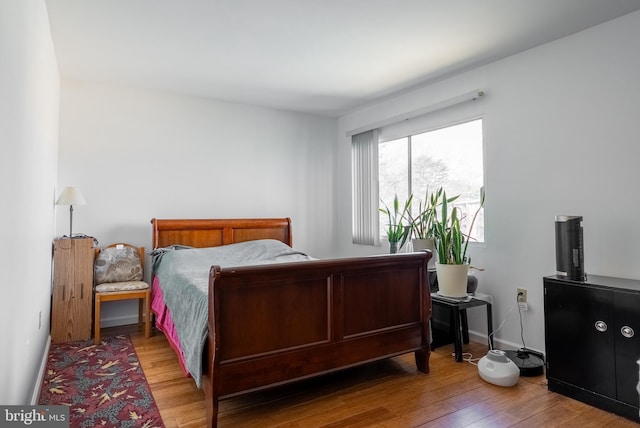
70,221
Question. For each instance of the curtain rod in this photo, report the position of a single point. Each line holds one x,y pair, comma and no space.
469,96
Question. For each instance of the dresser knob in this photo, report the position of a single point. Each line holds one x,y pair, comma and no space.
627,332
601,326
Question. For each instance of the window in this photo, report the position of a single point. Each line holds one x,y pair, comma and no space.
448,157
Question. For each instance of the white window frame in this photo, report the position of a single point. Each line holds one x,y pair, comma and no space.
433,120
399,130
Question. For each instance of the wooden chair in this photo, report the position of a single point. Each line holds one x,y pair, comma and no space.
118,275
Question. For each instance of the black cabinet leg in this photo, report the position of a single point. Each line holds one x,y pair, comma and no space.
465,326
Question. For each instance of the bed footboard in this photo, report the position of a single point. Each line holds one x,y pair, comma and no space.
274,324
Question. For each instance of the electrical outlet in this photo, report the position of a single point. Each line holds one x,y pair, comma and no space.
522,299
522,295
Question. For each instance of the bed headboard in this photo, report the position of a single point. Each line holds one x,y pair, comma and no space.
216,232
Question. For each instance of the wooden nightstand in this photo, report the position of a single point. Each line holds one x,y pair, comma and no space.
72,289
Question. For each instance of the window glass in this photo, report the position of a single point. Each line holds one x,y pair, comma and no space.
393,170
449,157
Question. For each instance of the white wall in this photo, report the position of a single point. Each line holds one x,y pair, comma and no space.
29,88
137,155
561,137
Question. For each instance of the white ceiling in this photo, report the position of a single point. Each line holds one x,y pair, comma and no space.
318,56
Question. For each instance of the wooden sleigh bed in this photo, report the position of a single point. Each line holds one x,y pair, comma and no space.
276,323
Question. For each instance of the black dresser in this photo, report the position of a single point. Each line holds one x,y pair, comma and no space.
592,336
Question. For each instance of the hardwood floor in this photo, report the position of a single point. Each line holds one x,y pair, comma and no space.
389,393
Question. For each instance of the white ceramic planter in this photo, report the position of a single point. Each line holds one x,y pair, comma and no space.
452,280
426,244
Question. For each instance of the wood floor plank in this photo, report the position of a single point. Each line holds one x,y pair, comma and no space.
384,394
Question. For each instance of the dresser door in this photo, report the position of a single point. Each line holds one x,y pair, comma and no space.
627,338
580,332
82,297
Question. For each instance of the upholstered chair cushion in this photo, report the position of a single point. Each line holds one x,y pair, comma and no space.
121,286
117,264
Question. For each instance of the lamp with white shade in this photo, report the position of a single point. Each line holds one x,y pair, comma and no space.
71,196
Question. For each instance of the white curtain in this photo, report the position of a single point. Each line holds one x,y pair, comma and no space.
364,162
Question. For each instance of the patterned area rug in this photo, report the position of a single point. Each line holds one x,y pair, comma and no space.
103,385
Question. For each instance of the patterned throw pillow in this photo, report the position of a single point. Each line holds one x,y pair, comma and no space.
115,264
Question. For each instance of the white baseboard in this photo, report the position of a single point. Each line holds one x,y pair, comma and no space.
39,379
497,343
116,321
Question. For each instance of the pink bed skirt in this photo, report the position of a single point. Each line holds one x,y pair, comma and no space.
164,322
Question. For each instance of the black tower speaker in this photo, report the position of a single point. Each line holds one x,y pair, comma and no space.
569,248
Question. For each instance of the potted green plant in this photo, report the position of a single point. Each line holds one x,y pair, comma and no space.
451,245
422,224
397,232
